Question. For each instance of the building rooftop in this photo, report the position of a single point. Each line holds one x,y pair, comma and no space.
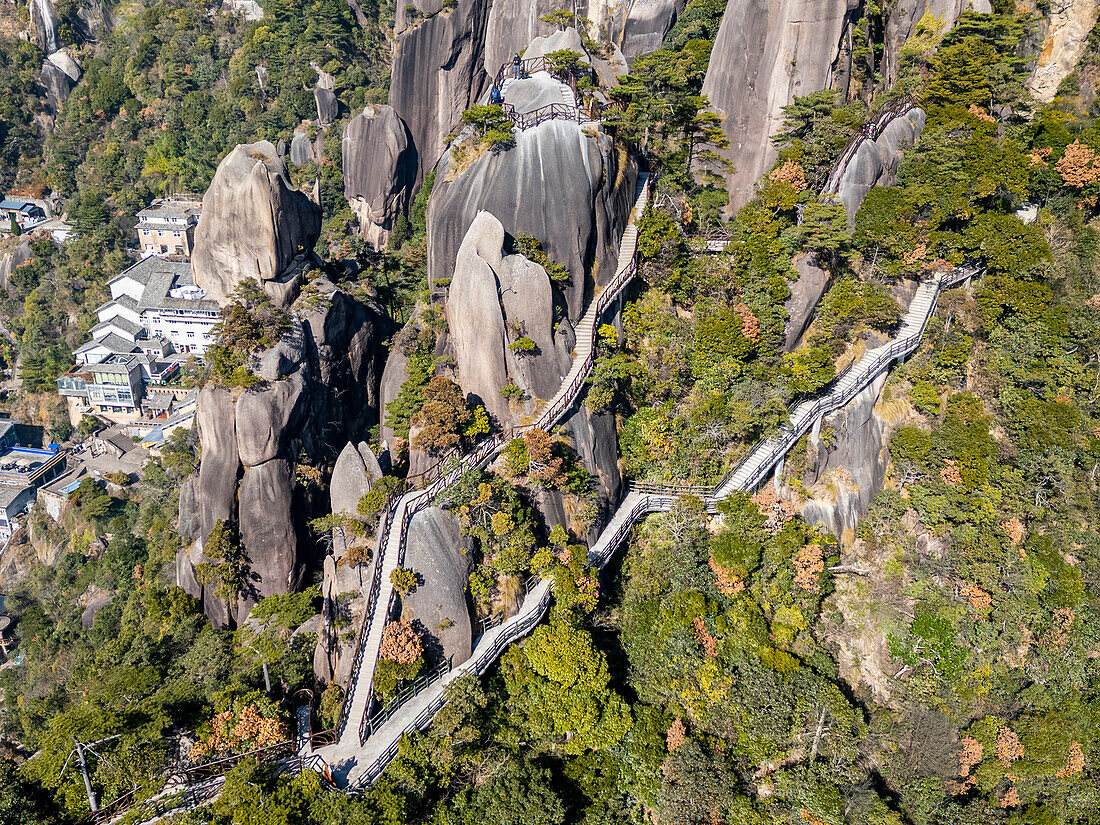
115,344
179,207
166,282
10,492
119,364
118,322
18,203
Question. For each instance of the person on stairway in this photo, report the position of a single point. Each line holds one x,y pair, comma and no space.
517,66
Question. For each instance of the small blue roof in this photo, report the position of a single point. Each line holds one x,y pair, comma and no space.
70,487
13,204
156,436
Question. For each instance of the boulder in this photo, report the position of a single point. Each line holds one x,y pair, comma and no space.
438,74
435,549
355,471
568,38
15,253
765,54
379,170
253,222
590,184
328,107
56,84
67,64
475,318
1065,36
805,294
268,416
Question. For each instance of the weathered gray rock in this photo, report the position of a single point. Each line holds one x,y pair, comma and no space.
876,162
568,38
379,170
435,550
645,25
268,534
56,84
766,53
253,222
857,463
557,163
493,301
395,374
475,318
438,74
220,466
268,416
66,63
355,471
44,19
1065,35
301,148
805,294
902,24
15,253
328,107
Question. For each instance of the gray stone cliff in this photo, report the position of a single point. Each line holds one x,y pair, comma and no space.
380,166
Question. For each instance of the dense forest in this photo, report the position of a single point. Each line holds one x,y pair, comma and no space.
937,665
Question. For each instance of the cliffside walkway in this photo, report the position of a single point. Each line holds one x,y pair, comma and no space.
642,499
353,726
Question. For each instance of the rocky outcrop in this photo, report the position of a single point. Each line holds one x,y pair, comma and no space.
323,394
436,550
44,19
587,179
568,38
379,170
253,224
805,293
901,24
876,162
766,53
355,471
301,148
1065,35
14,253
328,107
635,26
493,301
59,76
438,74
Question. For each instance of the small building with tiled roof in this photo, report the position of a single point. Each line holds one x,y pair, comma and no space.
167,226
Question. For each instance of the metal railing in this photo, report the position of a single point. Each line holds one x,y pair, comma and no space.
510,631
404,694
551,111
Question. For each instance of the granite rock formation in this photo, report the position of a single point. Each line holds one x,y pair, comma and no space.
876,162
437,73
766,53
380,165
589,182
495,299
324,394
902,21
436,550
1065,34
253,224
805,294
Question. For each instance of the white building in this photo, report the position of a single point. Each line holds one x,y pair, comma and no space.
167,225
154,303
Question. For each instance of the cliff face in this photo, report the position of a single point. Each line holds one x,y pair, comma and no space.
766,53
1065,34
589,184
253,224
635,26
319,391
379,170
902,21
438,74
